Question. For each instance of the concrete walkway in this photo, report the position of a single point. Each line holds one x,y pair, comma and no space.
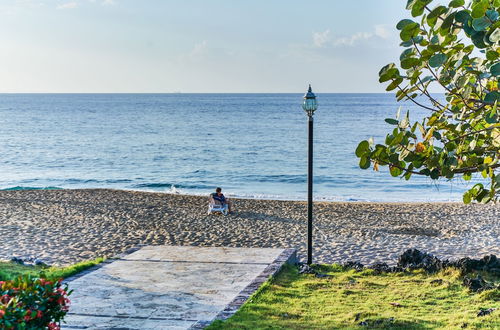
170,287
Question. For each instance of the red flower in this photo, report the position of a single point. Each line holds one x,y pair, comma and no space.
53,326
5,299
27,317
2,313
45,282
39,314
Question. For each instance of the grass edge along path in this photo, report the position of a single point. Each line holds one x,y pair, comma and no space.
349,299
11,270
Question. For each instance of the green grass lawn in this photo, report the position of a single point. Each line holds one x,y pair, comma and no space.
11,270
346,298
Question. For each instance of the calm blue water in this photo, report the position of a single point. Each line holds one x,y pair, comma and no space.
253,145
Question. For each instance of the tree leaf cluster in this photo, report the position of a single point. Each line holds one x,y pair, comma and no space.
455,47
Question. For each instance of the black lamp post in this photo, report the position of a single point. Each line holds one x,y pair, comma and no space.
310,105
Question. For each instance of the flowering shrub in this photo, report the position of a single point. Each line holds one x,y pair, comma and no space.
32,303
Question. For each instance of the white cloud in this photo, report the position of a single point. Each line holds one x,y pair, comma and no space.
351,40
76,3
68,5
321,38
199,49
324,39
382,31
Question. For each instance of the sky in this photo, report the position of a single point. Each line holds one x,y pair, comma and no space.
196,46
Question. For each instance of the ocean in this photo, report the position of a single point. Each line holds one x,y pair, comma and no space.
251,145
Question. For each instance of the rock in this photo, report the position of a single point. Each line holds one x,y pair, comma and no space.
306,269
354,265
488,263
40,263
385,268
494,271
484,312
375,323
381,267
17,260
415,259
477,284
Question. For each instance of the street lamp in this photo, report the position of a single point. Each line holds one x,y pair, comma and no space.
310,105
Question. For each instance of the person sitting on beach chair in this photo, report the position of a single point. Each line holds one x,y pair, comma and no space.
219,203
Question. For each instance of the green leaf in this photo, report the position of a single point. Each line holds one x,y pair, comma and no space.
479,9
462,16
456,3
437,60
492,97
407,53
478,39
433,15
363,147
491,55
467,198
446,24
481,24
495,69
492,15
435,174
401,24
410,4
418,7
395,171
364,162
409,63
467,26
495,35
409,31
395,83
388,72
391,121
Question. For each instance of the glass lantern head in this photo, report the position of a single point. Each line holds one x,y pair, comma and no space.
310,104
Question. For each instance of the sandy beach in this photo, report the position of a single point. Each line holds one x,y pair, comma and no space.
66,226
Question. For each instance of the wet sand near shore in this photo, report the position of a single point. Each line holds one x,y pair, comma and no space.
66,226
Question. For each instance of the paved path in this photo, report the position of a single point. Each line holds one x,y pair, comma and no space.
170,287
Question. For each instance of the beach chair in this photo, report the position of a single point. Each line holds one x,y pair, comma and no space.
216,207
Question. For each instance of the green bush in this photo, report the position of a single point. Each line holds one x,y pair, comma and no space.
32,303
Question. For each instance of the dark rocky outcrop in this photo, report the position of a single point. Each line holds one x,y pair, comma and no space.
486,311
414,259
477,284
354,265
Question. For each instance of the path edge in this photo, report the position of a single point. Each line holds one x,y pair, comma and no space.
288,256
